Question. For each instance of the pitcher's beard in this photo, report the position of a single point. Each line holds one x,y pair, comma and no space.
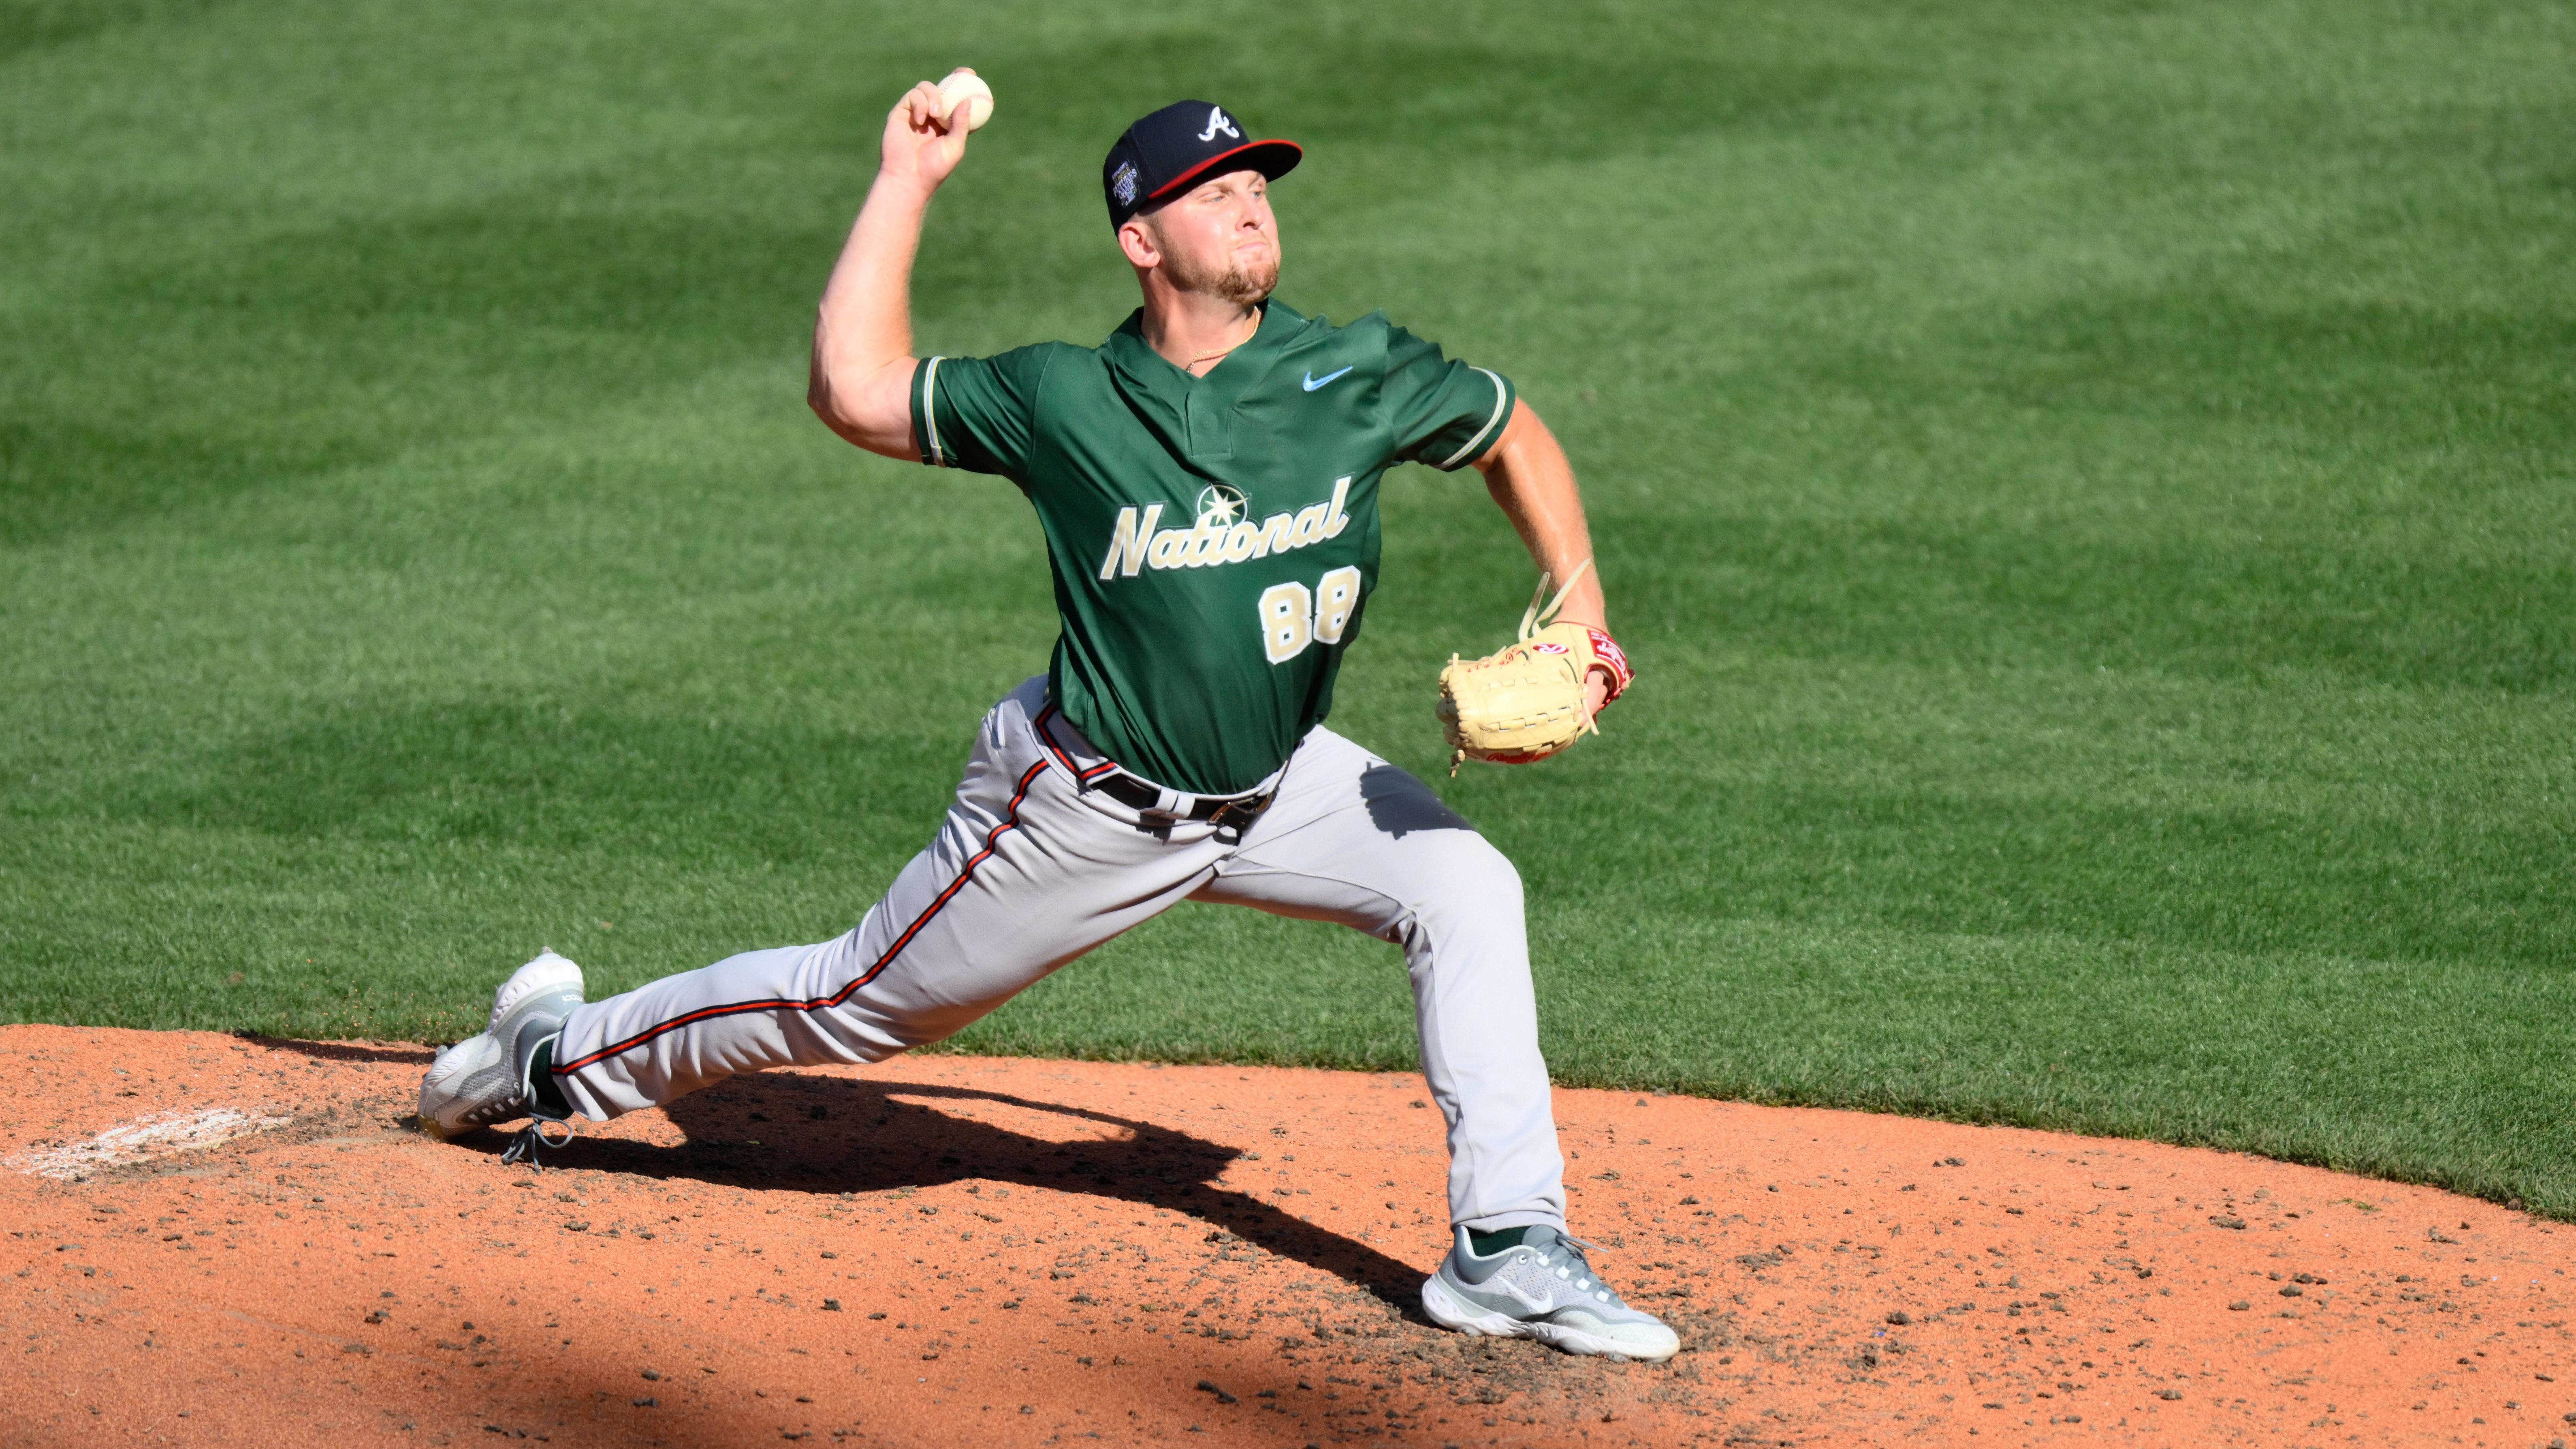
1237,283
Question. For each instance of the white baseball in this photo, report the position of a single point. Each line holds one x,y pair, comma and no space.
967,88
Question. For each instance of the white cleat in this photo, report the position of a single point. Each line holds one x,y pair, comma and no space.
484,1079
548,972
1542,1288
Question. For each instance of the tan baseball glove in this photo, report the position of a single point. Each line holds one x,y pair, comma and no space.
1525,701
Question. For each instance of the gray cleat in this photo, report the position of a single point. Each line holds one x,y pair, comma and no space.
483,1079
1543,1288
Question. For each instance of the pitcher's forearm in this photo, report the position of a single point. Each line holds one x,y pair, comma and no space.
861,371
862,361
866,318
1533,483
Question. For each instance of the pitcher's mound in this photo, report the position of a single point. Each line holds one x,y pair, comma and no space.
223,1241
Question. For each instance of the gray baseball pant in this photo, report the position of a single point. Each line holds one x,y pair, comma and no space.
1034,866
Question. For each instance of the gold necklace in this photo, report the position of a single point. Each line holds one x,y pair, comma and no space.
1221,352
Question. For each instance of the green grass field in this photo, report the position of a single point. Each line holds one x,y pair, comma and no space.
2091,489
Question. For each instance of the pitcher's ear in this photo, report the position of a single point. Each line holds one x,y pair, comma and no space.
1137,240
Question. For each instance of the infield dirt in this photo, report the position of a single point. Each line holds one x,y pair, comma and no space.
220,1240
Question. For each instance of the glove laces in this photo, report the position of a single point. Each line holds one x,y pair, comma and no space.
1535,618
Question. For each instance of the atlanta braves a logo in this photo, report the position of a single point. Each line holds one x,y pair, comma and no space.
1217,122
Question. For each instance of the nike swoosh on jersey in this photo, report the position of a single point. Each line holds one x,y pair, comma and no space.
1313,382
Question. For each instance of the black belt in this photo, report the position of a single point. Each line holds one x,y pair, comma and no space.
1136,795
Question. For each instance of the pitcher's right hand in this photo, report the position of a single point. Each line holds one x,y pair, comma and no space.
922,142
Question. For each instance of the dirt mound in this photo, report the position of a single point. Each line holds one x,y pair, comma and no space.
216,1240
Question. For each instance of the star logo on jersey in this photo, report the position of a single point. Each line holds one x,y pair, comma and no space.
1217,122
1220,506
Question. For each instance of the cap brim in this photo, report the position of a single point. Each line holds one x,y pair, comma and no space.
1273,159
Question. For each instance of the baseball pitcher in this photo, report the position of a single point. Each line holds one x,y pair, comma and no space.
1207,481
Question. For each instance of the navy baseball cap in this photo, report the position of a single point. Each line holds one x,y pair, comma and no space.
1164,153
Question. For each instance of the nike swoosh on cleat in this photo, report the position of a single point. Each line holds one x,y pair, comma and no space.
1313,382
1497,1294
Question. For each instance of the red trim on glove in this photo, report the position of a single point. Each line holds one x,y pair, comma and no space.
1608,655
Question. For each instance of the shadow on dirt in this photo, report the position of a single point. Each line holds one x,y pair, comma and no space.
341,1051
783,1131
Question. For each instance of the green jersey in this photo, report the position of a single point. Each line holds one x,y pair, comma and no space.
1213,539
